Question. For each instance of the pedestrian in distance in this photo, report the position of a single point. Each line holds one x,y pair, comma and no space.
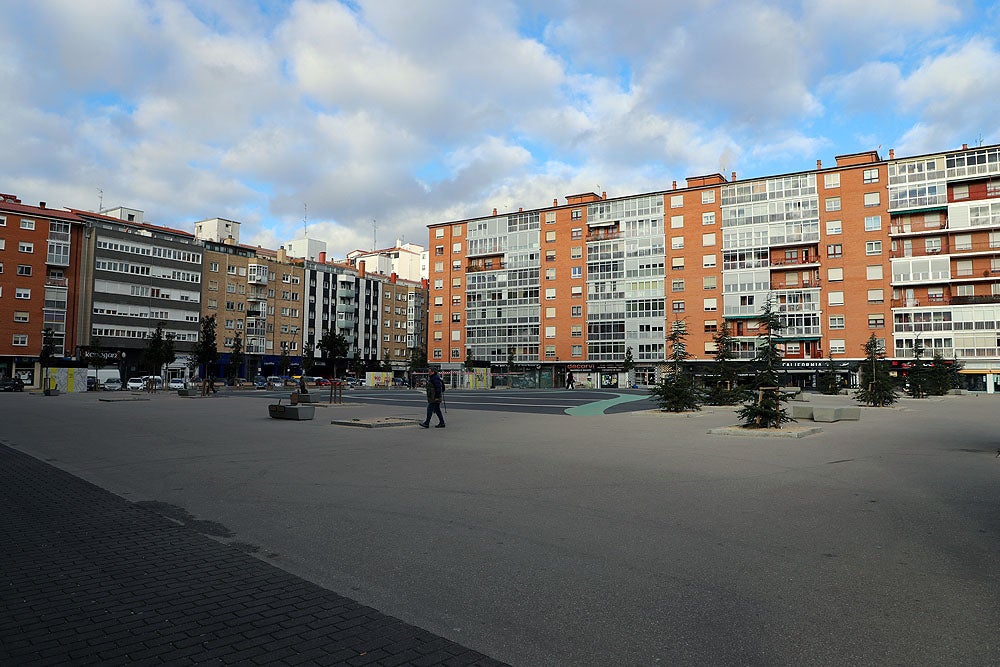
211,385
435,394
570,380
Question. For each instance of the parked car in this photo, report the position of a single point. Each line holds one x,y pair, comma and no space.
12,384
114,384
177,383
135,384
275,382
322,382
400,382
260,382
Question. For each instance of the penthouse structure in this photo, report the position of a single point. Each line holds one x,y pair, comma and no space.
898,248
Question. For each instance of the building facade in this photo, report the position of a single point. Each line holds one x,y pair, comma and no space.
901,249
40,289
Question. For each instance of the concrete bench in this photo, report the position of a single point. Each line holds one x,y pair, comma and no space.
304,398
802,412
294,412
829,413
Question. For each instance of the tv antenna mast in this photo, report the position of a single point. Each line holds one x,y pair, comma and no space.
374,235
100,200
305,219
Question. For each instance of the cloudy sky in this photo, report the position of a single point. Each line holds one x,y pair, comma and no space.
410,112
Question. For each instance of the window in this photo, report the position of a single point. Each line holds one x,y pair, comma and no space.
874,272
213,266
20,340
834,250
708,261
24,269
833,227
835,298
708,218
456,230
876,320
708,239
871,176
3,244
833,203
576,311
676,201
3,221
577,214
25,246
576,291
710,282
873,247
708,196
550,255
676,221
437,353
960,192
456,265
550,313
837,346
439,233
711,305
439,250
22,293
550,332
711,326
677,263
835,274
456,353
576,350
456,335
550,236
965,290
872,199
576,252
20,316
456,247
550,351
831,181
677,306
576,331
438,267
439,301
963,242
439,283
836,321
873,223
456,317
677,285
550,293
576,272
963,268
550,274
876,296
677,242
576,233
550,217
27,224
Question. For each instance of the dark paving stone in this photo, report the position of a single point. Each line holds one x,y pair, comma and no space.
88,578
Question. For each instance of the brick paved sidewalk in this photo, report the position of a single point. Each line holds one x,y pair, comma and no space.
87,577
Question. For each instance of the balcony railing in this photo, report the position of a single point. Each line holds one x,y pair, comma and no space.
496,266
57,282
793,261
603,235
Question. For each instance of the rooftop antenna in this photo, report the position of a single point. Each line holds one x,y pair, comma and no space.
979,141
100,200
374,235
305,219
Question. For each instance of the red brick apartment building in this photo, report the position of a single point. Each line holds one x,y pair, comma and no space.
902,248
39,261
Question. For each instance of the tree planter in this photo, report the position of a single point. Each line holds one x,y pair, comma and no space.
294,412
51,392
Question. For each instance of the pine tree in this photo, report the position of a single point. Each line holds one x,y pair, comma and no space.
725,389
677,391
763,410
236,358
918,376
829,381
875,385
205,352
940,378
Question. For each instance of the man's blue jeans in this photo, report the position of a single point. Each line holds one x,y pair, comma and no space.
434,408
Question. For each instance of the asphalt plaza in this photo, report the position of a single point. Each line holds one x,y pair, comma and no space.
623,538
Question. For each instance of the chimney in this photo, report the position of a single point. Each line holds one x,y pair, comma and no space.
965,147
322,257
229,240
604,195
520,209
674,186
392,278
892,154
555,202
734,175
282,255
361,269
494,211
819,164
41,204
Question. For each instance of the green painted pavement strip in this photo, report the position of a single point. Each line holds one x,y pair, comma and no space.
598,407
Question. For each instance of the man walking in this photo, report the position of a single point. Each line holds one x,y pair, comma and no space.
570,380
435,393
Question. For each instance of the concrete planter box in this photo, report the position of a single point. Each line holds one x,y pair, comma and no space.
294,412
188,392
308,398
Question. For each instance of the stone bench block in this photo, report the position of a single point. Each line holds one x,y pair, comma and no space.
294,412
802,412
825,413
850,413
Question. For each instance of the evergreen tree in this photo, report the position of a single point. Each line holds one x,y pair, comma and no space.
158,353
940,378
628,365
334,347
677,391
205,353
829,381
725,389
308,359
875,386
918,376
236,358
283,361
764,409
